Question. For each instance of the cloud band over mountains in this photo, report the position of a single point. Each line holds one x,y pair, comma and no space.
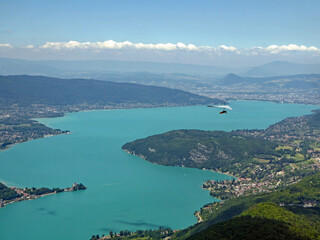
110,44
163,52
127,45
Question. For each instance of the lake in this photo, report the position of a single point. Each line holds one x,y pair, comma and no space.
124,191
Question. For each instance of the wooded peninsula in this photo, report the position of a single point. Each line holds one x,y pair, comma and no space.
276,186
14,194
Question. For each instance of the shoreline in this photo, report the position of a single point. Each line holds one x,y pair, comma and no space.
108,108
11,202
45,136
247,184
218,171
26,194
142,157
182,166
104,108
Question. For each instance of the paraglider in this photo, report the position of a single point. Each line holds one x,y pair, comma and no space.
222,106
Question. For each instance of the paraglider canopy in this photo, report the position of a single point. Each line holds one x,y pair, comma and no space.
222,106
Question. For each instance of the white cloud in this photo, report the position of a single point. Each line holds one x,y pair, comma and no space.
166,52
275,49
110,44
226,48
5,45
126,45
29,46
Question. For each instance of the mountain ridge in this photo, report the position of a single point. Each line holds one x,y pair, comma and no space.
278,68
26,90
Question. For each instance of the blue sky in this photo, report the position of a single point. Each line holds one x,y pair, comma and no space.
241,24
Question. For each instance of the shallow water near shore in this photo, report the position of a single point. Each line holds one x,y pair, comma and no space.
124,191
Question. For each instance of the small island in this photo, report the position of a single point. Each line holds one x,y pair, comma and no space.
13,194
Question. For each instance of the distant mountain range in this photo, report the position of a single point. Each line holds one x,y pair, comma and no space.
282,68
301,81
25,90
275,76
61,68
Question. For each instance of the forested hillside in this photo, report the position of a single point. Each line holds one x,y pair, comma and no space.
23,98
27,90
277,192
201,149
294,209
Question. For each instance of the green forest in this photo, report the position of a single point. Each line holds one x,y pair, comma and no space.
27,90
281,186
215,150
7,193
288,205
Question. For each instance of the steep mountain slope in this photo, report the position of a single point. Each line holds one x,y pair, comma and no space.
262,221
293,213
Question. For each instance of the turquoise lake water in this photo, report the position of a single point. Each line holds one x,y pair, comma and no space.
124,191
